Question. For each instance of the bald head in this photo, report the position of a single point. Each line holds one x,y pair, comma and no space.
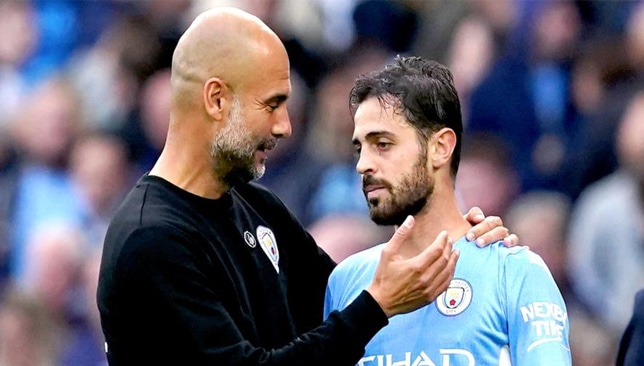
225,43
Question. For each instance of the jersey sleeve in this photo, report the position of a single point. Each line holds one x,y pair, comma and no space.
538,323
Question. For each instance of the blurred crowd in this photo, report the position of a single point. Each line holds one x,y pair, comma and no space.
553,102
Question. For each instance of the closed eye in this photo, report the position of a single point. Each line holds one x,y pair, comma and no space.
275,102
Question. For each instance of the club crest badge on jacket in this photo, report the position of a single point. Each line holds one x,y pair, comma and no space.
268,243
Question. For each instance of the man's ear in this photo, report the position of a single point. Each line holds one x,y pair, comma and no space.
217,97
442,146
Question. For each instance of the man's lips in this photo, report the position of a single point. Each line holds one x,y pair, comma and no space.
372,188
262,154
267,146
263,149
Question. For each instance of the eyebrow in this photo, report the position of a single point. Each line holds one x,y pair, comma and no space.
373,135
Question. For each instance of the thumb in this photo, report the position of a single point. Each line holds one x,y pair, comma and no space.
402,232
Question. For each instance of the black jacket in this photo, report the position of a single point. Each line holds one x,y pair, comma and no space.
186,280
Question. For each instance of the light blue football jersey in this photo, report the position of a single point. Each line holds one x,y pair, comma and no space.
502,308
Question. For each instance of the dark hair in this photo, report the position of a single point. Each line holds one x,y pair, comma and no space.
422,90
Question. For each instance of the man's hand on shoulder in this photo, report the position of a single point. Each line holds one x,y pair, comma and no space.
488,230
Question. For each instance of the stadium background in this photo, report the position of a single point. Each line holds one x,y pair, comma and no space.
554,117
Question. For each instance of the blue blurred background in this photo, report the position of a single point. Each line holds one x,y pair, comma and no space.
552,94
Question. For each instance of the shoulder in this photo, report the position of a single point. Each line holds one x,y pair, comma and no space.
256,192
513,261
525,276
152,211
150,224
151,199
156,243
496,256
495,250
521,258
262,200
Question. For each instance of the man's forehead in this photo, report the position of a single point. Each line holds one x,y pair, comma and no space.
268,85
280,91
372,115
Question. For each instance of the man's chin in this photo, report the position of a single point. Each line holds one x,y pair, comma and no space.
382,219
259,173
240,176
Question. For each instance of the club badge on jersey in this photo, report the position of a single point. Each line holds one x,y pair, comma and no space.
455,299
268,243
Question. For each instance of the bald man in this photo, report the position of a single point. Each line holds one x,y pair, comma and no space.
203,267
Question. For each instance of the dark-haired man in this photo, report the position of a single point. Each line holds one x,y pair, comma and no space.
502,307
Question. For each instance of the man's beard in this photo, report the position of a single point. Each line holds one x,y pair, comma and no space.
233,150
408,197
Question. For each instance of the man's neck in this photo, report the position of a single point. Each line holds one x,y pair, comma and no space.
194,175
441,213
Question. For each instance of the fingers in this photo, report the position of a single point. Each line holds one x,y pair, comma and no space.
492,236
435,262
511,240
401,285
445,277
402,232
440,247
474,216
482,226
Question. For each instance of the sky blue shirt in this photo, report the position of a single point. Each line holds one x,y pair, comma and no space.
502,308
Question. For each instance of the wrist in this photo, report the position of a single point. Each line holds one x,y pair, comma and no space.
377,297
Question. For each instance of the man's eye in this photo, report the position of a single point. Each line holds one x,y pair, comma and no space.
271,108
383,145
356,150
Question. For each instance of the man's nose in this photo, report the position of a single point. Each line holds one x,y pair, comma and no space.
282,127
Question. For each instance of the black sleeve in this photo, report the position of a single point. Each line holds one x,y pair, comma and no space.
167,280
